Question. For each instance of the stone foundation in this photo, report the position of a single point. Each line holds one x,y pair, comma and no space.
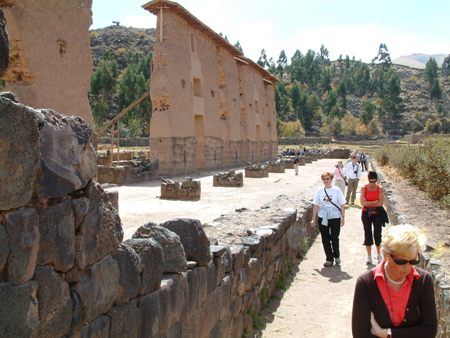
229,179
129,172
256,171
276,167
186,190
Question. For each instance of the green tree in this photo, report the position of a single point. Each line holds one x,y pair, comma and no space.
331,100
262,61
431,71
325,80
446,65
238,46
324,56
282,62
311,111
342,92
335,112
368,112
436,91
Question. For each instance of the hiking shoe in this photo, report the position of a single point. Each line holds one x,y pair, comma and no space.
327,264
369,260
379,258
338,261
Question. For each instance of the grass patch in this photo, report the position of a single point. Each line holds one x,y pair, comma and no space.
441,249
263,294
304,245
256,317
281,282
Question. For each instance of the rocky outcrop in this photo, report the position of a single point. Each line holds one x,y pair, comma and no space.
4,45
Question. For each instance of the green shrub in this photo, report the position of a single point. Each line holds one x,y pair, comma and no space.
92,34
256,317
414,79
141,35
2,84
281,281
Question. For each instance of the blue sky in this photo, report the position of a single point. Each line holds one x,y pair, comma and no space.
353,27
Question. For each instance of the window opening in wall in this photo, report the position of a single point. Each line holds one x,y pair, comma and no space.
252,154
215,159
192,42
184,156
197,87
235,153
257,107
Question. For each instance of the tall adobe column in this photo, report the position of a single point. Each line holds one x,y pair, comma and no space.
50,57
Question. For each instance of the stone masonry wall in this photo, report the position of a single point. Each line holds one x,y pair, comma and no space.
65,272
441,285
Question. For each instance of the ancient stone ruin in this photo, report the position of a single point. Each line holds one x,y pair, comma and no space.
127,169
216,108
186,190
276,167
228,179
256,170
50,57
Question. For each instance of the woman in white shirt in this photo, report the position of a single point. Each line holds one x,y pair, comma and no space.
329,205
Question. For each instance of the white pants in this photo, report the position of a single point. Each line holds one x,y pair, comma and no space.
340,184
296,169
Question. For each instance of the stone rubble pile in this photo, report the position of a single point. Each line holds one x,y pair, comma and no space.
228,179
256,170
186,190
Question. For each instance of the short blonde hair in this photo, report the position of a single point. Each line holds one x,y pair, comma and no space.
403,240
327,173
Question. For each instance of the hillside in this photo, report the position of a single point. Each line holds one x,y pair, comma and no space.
415,108
418,60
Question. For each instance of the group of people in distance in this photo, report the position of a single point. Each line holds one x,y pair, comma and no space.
394,299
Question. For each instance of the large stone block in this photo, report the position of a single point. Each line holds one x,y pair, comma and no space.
209,313
57,237
225,297
255,243
68,160
80,208
98,328
55,303
193,238
237,252
19,153
193,279
129,273
97,290
190,327
4,247
124,320
101,226
185,296
170,302
19,315
174,256
23,233
152,262
174,331
149,315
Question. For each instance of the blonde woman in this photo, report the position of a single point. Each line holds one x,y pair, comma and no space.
339,176
396,299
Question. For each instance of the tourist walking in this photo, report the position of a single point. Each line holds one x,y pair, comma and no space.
329,206
353,172
373,215
396,299
296,163
339,177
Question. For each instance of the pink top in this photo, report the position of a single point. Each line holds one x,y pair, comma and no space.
338,174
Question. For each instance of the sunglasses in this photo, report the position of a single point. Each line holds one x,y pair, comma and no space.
372,181
404,261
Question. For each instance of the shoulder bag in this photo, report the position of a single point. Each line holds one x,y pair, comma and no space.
331,201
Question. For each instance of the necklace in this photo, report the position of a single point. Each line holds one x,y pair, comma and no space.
389,278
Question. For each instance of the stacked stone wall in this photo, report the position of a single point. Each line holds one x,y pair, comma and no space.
65,272
304,140
441,283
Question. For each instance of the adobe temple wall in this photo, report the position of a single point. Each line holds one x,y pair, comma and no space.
50,58
212,107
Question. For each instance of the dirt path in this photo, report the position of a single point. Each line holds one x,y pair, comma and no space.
319,300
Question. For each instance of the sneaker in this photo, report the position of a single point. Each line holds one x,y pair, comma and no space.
379,258
353,203
369,260
338,261
327,264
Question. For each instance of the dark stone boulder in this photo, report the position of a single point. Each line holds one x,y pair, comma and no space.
55,303
97,290
98,328
10,96
23,233
57,237
4,247
152,262
4,45
149,315
101,228
193,238
124,320
174,256
69,168
19,315
129,269
19,153
80,208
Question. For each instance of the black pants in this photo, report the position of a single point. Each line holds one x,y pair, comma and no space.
367,222
330,238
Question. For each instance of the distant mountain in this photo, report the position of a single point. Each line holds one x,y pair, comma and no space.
418,60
